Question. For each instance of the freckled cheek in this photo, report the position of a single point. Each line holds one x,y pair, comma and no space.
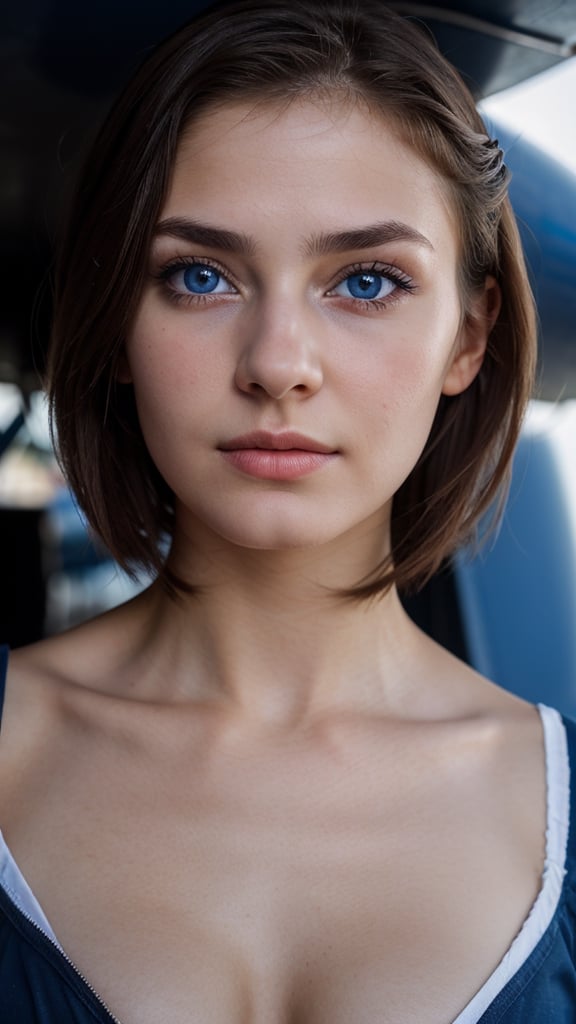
169,363
406,376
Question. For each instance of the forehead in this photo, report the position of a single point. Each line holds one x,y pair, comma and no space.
305,163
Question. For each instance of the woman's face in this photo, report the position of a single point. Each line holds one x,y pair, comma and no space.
303,280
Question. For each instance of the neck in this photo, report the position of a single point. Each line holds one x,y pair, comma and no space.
267,637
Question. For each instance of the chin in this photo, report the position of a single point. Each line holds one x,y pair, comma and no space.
280,523
261,530
277,538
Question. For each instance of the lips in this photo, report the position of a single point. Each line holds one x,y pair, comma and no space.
281,457
266,441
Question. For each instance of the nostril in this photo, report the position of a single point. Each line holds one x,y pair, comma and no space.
277,365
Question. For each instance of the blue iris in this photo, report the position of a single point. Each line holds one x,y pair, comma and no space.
201,279
364,286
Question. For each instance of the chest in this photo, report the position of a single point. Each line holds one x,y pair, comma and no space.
235,893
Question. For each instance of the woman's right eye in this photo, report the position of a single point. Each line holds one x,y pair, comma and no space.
196,279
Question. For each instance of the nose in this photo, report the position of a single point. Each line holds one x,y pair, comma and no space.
280,356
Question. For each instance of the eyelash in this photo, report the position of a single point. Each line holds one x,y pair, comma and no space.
401,280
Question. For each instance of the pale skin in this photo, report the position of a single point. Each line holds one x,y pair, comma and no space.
263,804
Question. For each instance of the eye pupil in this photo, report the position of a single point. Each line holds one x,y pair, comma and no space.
366,282
200,279
365,285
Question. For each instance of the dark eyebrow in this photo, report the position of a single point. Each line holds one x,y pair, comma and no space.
319,245
204,234
366,238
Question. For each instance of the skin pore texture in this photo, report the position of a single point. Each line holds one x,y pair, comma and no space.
262,804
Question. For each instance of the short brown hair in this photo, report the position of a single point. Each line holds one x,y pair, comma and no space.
278,49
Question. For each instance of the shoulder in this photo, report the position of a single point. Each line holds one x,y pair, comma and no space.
84,657
59,680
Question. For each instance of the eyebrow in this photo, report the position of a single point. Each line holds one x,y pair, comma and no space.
366,237
205,234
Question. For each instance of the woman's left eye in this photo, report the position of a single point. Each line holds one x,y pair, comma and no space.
365,285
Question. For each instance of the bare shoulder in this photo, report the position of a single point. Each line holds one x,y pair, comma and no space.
84,656
494,737
47,678
455,689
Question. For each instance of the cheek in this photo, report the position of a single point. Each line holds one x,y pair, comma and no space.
406,381
399,392
426,352
170,368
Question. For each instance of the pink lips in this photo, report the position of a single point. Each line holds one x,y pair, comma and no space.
268,456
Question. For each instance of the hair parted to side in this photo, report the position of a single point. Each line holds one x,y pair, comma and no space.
275,50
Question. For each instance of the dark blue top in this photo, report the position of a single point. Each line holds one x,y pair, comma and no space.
39,985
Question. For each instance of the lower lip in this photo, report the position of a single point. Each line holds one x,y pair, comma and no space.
268,464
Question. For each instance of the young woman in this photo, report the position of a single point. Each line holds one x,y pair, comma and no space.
292,349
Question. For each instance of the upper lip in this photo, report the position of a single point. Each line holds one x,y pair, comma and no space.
276,442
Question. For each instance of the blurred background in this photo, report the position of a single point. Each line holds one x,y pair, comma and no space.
511,612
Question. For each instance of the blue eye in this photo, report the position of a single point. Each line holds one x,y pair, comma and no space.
201,279
366,285
195,279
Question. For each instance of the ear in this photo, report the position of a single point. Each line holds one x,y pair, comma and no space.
473,338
